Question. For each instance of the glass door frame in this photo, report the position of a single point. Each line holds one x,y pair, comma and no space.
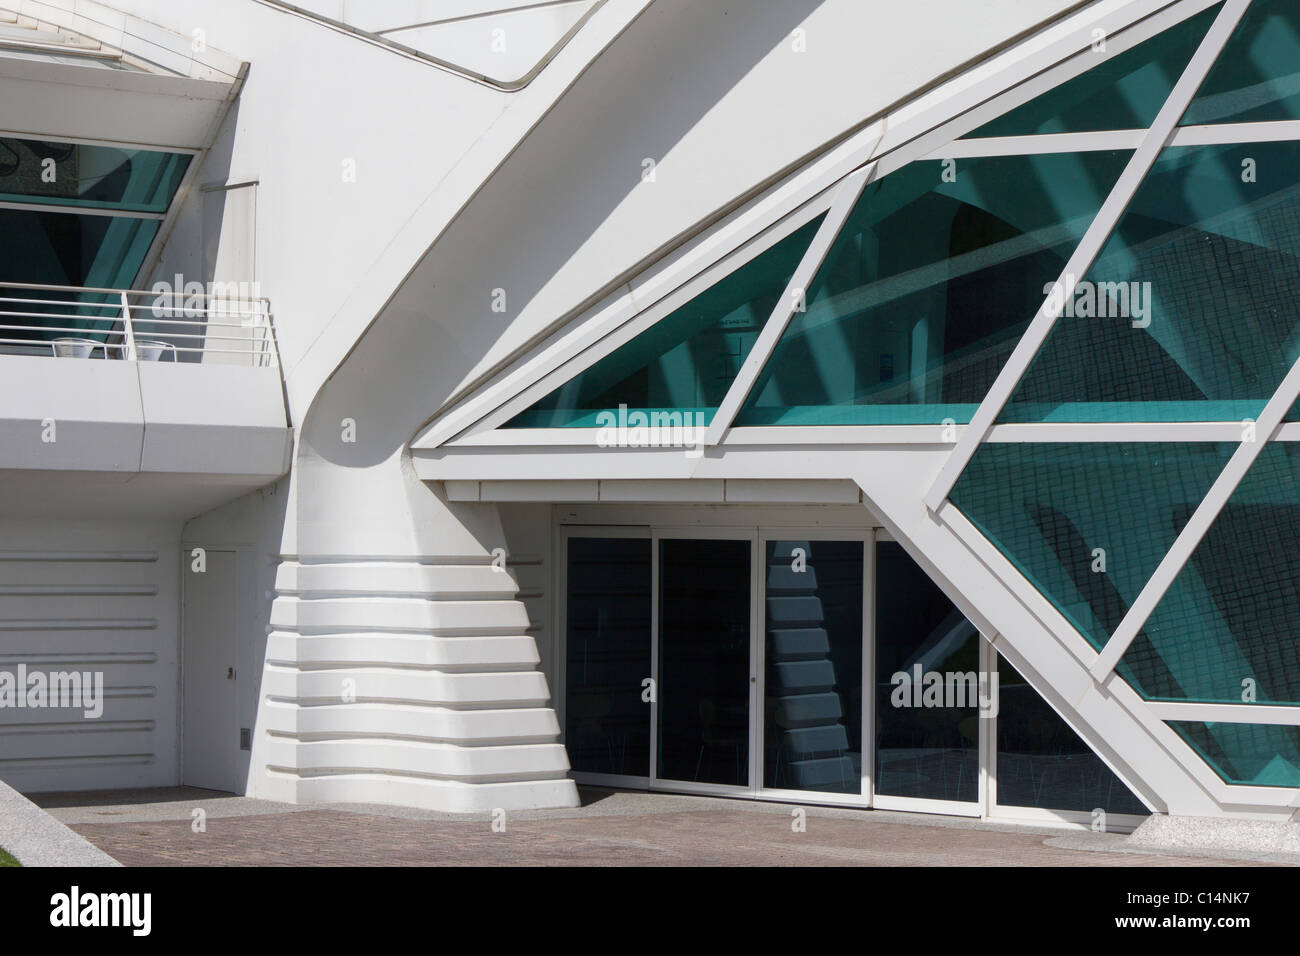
758,724
705,533
987,729
986,805
560,692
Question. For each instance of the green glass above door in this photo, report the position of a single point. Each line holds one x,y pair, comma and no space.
686,361
1191,311
1124,91
928,287
1256,78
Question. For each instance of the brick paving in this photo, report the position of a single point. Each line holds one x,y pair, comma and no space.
712,836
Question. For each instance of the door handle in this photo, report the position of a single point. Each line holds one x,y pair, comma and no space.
230,673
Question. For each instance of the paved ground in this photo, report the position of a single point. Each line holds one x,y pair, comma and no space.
155,828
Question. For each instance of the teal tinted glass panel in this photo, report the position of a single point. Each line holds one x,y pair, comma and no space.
55,248
1087,523
686,361
1191,311
1043,763
98,177
927,289
1257,77
1227,624
1258,755
1125,91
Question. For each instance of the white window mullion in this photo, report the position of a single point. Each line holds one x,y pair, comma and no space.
1088,249
846,197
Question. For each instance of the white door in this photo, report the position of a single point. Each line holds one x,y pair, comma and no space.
210,744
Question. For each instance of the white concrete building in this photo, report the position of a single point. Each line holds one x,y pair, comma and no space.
436,402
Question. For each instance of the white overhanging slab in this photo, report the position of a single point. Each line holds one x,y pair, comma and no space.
92,415
213,419
63,101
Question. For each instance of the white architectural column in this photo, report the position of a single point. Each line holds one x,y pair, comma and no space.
399,668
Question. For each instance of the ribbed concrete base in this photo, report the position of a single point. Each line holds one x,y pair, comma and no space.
410,682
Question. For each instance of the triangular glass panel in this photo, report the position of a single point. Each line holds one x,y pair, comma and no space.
1088,523
1224,632
1257,76
1043,763
927,289
1259,755
1123,92
685,362
1192,310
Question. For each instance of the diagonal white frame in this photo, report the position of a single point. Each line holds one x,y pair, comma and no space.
1202,518
846,198
1108,217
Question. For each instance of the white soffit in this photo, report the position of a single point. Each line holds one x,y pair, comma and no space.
58,101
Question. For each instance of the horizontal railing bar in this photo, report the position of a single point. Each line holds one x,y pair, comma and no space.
117,292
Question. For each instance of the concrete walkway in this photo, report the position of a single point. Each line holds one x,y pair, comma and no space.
157,828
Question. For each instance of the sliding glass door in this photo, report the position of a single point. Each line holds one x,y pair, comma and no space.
704,653
928,679
789,666
812,673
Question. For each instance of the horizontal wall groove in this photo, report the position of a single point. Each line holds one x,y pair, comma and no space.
116,557
64,659
81,624
70,590
79,727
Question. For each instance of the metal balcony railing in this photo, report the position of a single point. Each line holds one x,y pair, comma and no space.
135,326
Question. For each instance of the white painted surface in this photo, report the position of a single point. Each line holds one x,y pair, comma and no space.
97,596
210,736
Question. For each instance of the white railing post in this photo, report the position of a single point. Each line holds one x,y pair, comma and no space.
128,331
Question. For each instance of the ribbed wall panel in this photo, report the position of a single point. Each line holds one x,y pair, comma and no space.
110,612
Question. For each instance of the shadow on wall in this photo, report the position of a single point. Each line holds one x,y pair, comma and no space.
637,101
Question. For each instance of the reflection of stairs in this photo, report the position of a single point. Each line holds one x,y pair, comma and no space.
812,753
24,34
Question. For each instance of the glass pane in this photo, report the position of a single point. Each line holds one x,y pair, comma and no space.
1123,92
1043,763
813,713
704,661
1087,524
606,723
1225,629
105,177
1255,754
1257,77
63,249
927,697
687,360
928,288
1191,311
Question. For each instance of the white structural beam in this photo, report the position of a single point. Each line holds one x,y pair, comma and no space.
1172,563
846,197
1227,713
1107,219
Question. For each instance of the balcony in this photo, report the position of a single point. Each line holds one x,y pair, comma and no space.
116,385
